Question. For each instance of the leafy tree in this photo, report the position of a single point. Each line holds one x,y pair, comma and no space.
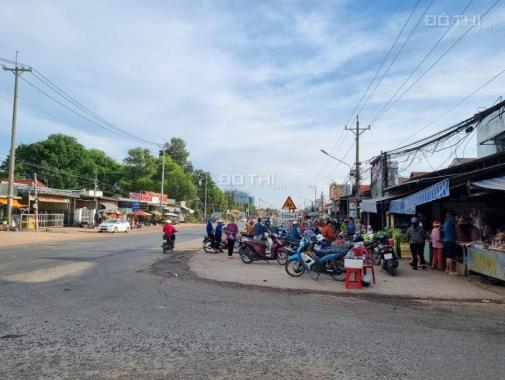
139,171
178,184
177,150
61,162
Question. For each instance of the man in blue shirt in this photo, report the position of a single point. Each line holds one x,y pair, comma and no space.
449,241
295,234
258,229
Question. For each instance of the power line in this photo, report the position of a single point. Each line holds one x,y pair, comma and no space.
374,119
435,62
457,104
397,55
121,134
37,74
383,61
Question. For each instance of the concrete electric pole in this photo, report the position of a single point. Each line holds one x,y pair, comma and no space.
164,147
357,133
17,70
36,202
205,205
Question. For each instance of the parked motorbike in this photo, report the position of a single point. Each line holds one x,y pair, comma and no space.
328,261
208,245
268,248
382,253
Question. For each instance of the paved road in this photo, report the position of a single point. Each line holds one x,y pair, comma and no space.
98,309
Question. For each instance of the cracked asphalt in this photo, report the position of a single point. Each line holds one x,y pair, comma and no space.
108,309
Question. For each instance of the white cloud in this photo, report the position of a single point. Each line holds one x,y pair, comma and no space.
252,88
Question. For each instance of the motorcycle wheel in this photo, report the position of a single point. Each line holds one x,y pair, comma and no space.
294,268
244,257
207,247
282,257
376,257
165,249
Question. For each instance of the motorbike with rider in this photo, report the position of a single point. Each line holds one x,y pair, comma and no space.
169,232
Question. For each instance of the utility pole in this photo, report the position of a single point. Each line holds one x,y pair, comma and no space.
164,147
17,70
96,199
36,202
315,195
205,205
357,133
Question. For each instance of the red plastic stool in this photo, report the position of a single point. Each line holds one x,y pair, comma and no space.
357,278
369,265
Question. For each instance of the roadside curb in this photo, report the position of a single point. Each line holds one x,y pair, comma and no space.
336,293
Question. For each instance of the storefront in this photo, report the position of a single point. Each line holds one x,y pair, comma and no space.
474,193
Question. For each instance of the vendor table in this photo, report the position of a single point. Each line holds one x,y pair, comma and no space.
487,262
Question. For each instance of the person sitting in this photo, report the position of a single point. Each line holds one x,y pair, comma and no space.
169,232
258,230
249,228
218,235
295,234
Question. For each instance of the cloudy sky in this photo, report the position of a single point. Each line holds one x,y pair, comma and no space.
256,88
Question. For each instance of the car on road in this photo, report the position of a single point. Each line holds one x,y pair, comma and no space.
114,225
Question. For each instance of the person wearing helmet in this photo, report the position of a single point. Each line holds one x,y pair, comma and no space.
218,235
169,232
417,237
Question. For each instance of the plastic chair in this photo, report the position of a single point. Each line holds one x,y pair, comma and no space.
352,282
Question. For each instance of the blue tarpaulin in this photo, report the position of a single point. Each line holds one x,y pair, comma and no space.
408,204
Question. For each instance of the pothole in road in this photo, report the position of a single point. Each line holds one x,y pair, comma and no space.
175,265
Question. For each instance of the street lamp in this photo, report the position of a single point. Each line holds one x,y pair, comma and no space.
336,159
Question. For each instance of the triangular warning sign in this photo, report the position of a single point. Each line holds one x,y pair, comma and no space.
289,204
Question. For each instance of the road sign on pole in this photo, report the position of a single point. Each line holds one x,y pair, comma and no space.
289,204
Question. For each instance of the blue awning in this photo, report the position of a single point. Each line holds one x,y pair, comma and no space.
408,204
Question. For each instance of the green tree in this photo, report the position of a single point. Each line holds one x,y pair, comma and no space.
177,150
178,184
62,162
139,171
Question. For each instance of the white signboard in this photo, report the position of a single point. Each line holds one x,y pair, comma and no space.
289,215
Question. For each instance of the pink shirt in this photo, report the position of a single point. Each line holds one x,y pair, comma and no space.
436,238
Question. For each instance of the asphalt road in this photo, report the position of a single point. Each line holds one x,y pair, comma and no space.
105,308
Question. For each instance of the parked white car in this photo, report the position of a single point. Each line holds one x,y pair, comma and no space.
114,225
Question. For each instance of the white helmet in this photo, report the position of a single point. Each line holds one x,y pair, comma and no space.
319,238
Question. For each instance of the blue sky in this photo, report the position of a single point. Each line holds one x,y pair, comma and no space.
254,87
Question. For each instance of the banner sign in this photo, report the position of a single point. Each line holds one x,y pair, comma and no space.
408,204
148,196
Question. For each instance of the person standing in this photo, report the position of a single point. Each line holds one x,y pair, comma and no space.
449,243
231,236
436,244
326,230
295,234
258,230
218,235
417,237
351,227
343,228
210,231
